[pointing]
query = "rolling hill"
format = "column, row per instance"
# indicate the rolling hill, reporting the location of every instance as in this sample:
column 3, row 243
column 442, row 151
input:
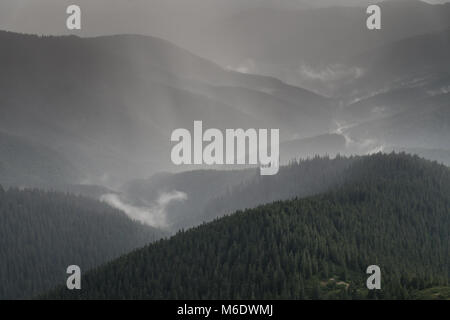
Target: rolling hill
column 392, row 211
column 42, row 233
column 210, row 194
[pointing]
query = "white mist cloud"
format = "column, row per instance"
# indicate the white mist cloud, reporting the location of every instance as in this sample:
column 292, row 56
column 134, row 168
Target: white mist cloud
column 331, row 73
column 440, row 91
column 155, row 215
column 357, row 146
column 247, row 66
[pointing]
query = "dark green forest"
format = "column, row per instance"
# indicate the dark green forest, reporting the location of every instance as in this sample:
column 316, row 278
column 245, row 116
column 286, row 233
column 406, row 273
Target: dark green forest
column 391, row 210
column 300, row 178
column 42, row 233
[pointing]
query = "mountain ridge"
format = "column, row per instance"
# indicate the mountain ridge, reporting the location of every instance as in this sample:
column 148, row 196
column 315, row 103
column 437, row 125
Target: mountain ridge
column 89, row 97
column 393, row 212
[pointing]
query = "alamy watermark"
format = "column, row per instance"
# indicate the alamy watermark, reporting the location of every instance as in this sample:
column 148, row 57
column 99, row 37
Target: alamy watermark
column 374, row 281
column 74, row 280
column 190, row 149
column 73, row 21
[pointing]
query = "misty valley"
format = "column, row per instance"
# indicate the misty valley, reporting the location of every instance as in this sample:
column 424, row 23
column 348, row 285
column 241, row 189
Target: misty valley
column 257, row 152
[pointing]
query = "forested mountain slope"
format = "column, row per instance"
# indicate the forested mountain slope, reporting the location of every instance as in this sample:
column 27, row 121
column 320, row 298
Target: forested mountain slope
column 24, row 162
column 299, row 179
column 392, row 211
column 42, row 233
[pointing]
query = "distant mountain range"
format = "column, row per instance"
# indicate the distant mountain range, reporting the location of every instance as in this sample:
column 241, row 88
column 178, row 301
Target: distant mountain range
column 109, row 104
column 307, row 47
column 416, row 62
column 402, row 99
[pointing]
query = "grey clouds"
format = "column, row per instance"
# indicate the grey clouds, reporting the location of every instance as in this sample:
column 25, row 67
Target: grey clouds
column 150, row 17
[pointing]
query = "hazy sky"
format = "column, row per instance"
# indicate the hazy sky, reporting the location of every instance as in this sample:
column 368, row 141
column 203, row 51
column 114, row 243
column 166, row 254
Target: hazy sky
column 154, row 17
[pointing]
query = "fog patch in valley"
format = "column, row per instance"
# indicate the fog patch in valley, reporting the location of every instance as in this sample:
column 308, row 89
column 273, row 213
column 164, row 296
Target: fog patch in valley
column 154, row 215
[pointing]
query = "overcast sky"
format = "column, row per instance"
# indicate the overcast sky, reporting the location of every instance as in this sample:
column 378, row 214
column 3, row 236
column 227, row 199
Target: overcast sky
column 154, row 17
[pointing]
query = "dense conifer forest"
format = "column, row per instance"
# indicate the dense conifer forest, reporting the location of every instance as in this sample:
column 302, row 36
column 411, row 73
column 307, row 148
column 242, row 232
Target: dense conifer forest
column 392, row 211
column 42, row 233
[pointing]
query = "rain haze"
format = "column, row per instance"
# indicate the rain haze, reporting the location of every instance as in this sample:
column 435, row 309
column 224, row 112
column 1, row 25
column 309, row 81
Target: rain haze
column 91, row 121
